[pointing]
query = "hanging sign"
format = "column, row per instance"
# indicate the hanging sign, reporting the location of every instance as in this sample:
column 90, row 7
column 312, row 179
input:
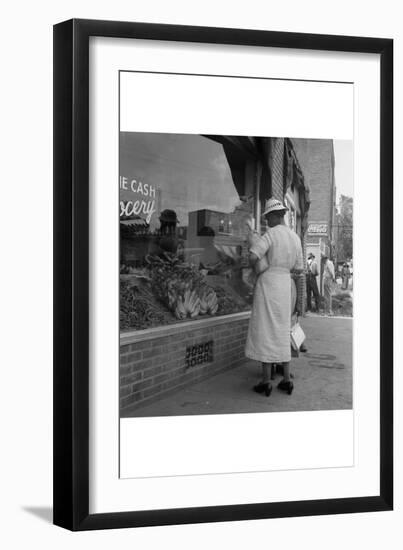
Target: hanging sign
column 317, row 228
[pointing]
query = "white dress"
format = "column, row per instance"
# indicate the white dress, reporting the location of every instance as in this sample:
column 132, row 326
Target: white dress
column 270, row 324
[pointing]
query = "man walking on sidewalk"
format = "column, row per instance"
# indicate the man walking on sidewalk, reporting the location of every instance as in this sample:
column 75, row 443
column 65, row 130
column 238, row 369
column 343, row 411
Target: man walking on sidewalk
column 311, row 284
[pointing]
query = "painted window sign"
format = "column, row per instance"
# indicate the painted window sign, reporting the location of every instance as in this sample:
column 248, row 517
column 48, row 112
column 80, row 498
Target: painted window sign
column 143, row 201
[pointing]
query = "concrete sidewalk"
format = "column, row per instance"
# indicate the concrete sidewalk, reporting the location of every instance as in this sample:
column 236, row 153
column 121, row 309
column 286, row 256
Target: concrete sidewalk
column 322, row 380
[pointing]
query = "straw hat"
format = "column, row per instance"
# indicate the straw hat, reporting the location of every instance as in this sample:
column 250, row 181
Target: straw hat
column 273, row 205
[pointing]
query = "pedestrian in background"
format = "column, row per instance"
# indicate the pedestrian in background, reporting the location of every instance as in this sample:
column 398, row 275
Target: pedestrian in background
column 311, row 283
column 329, row 282
column 345, row 275
column 268, row 338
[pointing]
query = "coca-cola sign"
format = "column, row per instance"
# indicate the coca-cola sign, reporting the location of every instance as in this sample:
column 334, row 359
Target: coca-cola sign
column 317, row 228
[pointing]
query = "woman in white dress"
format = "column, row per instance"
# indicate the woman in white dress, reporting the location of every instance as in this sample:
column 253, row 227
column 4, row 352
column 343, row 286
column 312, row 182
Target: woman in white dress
column 278, row 252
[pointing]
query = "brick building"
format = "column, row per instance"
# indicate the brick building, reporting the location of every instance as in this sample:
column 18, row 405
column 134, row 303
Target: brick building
column 316, row 158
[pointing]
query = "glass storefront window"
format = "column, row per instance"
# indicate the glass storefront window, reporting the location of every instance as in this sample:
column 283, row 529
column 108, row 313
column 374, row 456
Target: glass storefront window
column 182, row 230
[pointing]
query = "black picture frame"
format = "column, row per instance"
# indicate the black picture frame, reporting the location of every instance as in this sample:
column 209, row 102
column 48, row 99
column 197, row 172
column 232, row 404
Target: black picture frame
column 71, row 273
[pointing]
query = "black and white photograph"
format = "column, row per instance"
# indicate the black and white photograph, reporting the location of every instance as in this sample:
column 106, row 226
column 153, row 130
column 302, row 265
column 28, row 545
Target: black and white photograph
column 236, row 274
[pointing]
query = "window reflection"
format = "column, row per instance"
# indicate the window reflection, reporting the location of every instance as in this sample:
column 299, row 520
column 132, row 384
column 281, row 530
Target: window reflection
column 182, row 230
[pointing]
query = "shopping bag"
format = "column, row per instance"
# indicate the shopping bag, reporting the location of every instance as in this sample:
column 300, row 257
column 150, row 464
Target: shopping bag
column 297, row 336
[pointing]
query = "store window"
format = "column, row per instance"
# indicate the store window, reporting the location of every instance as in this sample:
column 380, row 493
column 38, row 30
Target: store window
column 182, row 231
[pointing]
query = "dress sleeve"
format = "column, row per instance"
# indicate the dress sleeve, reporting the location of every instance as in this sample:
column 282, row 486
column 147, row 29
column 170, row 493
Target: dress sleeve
column 260, row 245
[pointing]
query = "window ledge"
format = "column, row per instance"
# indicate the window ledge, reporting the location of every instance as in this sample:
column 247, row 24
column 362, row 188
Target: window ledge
column 134, row 336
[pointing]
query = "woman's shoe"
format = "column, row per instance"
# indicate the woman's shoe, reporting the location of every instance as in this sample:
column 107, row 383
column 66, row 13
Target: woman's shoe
column 263, row 387
column 280, row 369
column 259, row 388
column 286, row 386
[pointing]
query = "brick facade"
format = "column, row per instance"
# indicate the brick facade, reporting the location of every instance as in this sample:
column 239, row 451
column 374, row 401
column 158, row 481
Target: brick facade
column 277, row 168
column 156, row 367
column 316, row 157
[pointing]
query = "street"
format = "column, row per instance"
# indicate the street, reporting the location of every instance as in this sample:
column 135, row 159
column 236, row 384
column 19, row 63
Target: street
column 322, row 379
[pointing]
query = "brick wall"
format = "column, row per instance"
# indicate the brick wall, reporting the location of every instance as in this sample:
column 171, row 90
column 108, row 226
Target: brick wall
column 153, row 368
column 277, row 168
column 315, row 157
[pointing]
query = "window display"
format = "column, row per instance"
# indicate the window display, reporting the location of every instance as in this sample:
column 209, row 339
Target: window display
column 183, row 212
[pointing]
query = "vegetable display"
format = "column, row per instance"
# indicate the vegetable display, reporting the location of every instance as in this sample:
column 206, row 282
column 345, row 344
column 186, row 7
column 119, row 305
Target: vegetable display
column 208, row 301
column 137, row 309
column 167, row 290
column 228, row 302
column 181, row 286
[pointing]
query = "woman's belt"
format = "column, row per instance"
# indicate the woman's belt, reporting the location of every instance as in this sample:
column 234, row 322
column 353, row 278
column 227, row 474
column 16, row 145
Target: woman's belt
column 282, row 270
